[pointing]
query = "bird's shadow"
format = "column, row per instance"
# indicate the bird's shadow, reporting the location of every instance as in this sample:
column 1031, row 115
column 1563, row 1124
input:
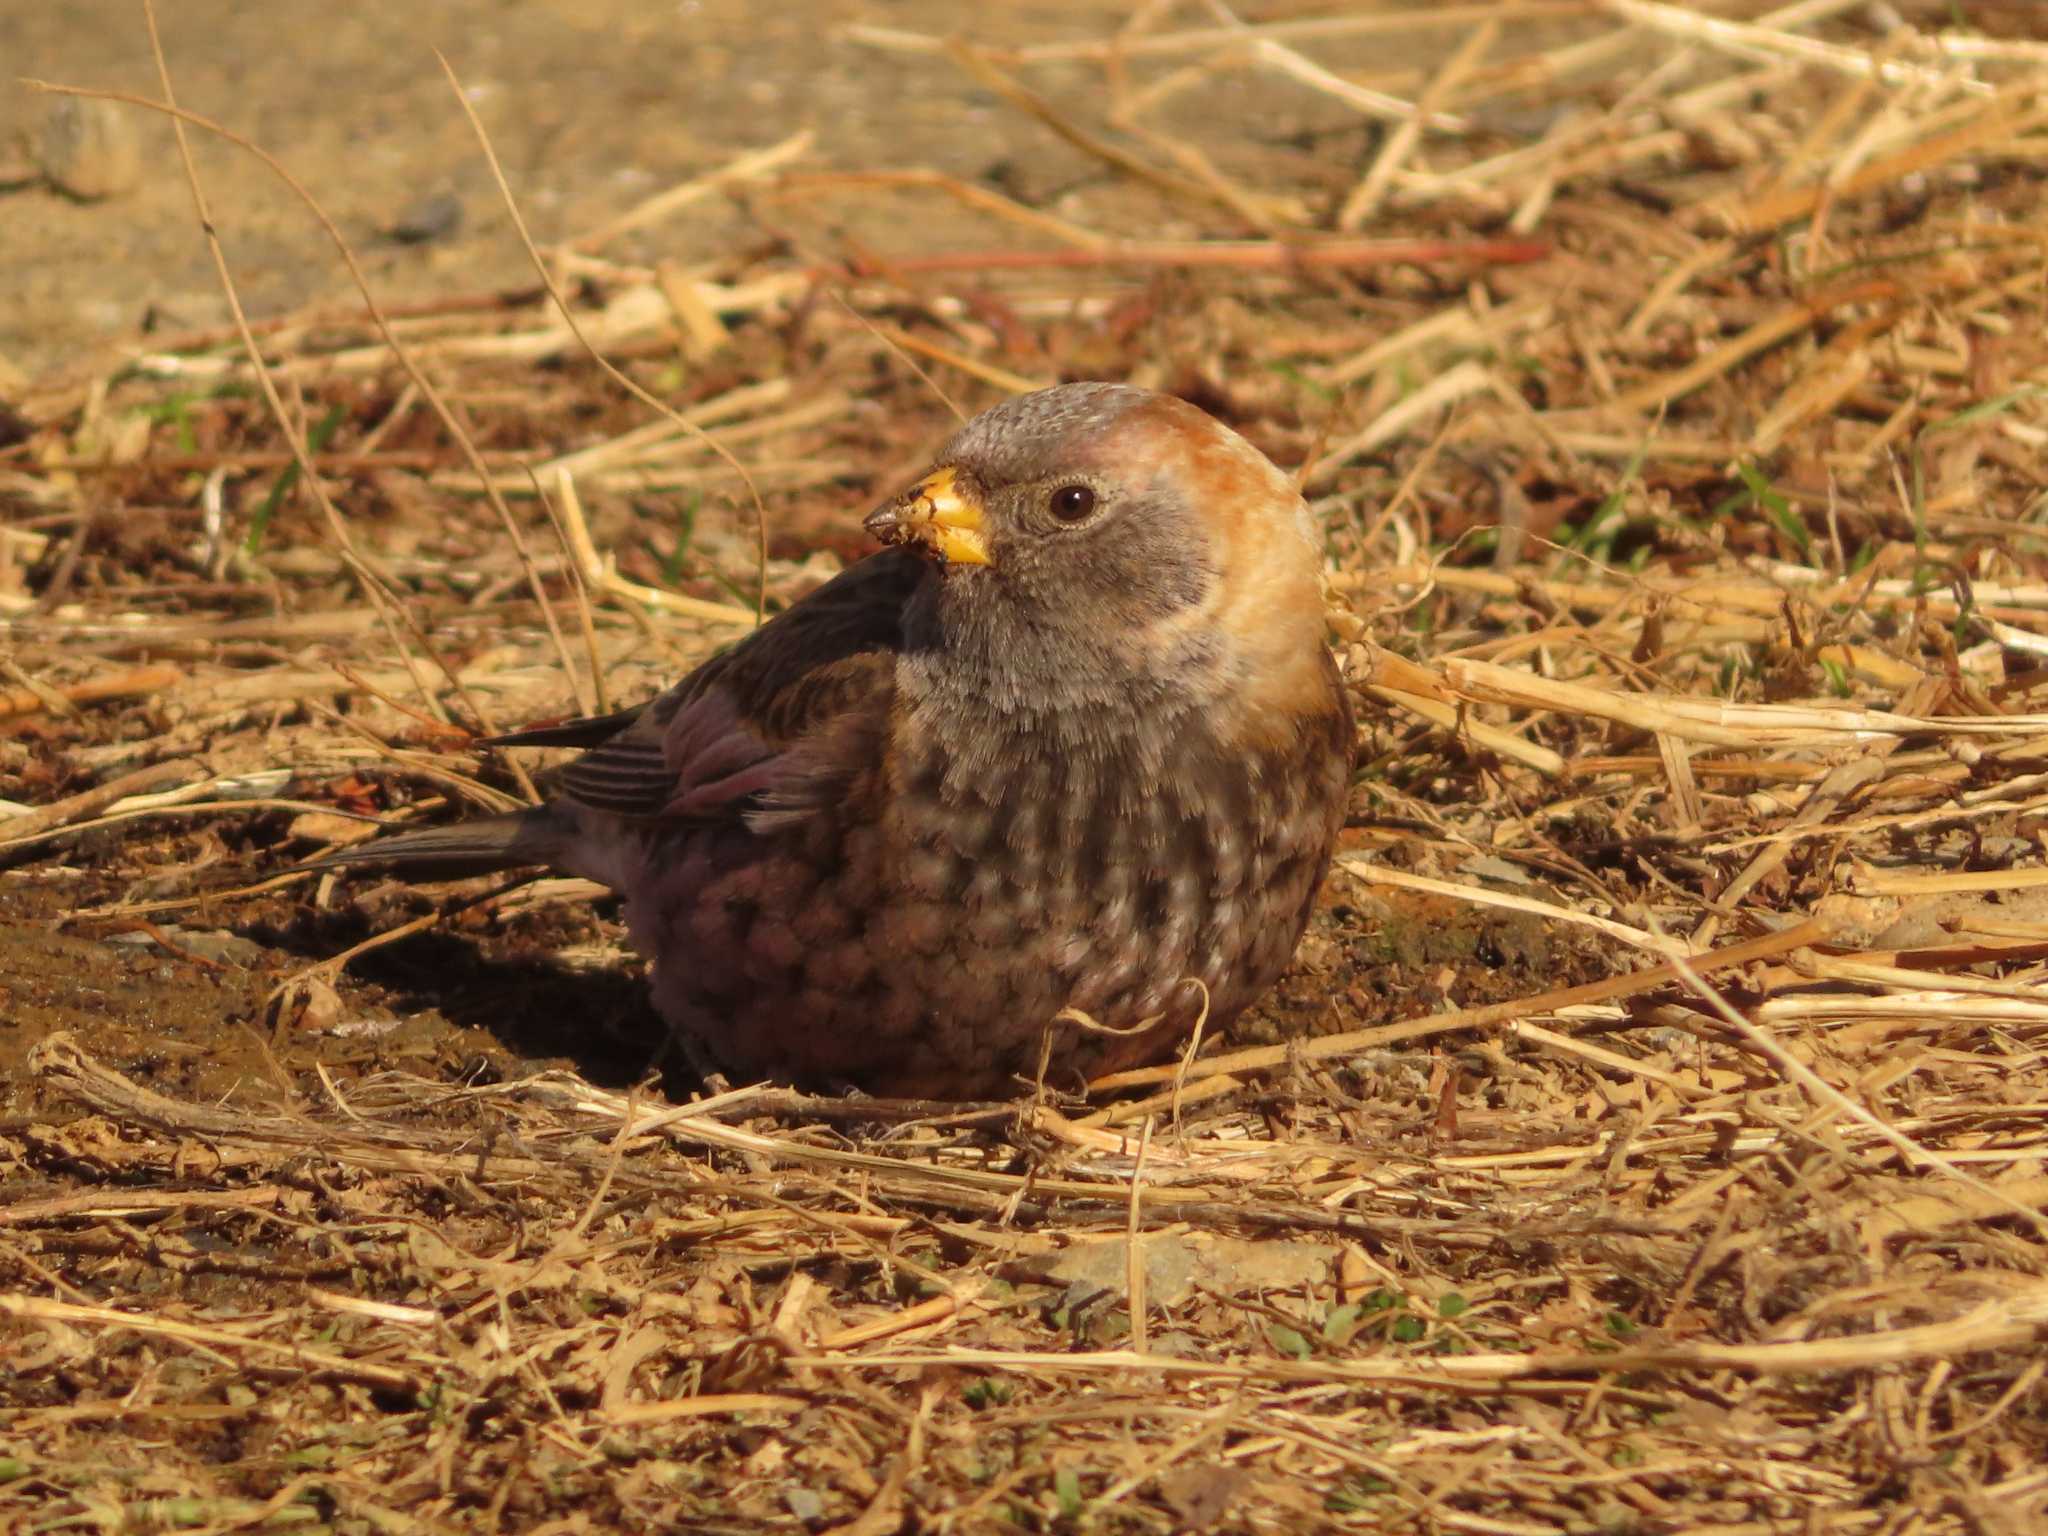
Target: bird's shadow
column 511, row 987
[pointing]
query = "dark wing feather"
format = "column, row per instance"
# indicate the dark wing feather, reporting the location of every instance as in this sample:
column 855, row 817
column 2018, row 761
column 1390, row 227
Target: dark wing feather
column 725, row 736
column 588, row 731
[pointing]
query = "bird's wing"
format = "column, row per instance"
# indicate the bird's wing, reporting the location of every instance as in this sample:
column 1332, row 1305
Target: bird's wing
column 748, row 727
column 584, row 731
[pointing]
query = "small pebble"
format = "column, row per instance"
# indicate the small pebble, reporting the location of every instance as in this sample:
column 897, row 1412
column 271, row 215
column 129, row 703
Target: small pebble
column 220, row 947
column 88, row 149
column 434, row 217
column 322, row 1010
column 805, row 1504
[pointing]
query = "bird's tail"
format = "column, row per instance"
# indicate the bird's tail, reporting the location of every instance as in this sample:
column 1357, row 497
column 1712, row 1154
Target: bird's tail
column 512, row 841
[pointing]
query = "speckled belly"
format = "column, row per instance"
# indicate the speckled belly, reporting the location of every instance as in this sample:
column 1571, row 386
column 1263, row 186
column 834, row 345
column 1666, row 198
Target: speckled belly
column 933, row 952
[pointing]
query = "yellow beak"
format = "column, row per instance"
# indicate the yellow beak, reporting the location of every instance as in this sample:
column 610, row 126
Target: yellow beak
column 939, row 513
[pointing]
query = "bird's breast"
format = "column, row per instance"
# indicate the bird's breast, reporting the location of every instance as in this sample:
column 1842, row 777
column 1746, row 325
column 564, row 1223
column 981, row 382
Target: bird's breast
column 933, row 925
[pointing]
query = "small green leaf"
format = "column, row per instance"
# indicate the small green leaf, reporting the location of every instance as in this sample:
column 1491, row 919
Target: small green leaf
column 987, row 1392
column 171, row 1512
column 1613, row 505
column 1596, row 535
column 1452, row 1305
column 1774, row 506
column 1339, row 1321
column 316, row 440
column 1727, row 504
column 1288, row 1341
column 1356, row 1496
column 686, row 530
column 1066, row 1487
column 1296, row 377
column 1997, row 405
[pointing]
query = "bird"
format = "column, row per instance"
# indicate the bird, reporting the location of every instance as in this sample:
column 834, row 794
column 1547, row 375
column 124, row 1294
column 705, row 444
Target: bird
column 1029, row 795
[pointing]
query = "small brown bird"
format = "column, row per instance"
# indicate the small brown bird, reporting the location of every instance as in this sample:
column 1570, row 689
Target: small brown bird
column 1074, row 746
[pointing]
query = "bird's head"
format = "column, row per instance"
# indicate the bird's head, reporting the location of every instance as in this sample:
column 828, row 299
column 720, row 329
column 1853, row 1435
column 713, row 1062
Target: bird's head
column 1093, row 532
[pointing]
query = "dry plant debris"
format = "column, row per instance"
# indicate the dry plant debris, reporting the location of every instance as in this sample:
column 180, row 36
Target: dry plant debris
column 1652, row 1136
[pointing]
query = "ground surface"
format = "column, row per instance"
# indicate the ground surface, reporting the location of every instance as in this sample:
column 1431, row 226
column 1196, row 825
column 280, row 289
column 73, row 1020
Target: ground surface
column 1687, row 576
column 591, row 107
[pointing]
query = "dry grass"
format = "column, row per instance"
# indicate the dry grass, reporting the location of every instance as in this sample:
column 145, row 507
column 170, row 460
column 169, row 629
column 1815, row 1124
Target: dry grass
column 1691, row 581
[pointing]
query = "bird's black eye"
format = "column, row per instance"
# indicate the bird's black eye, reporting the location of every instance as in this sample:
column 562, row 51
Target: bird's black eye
column 1071, row 503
